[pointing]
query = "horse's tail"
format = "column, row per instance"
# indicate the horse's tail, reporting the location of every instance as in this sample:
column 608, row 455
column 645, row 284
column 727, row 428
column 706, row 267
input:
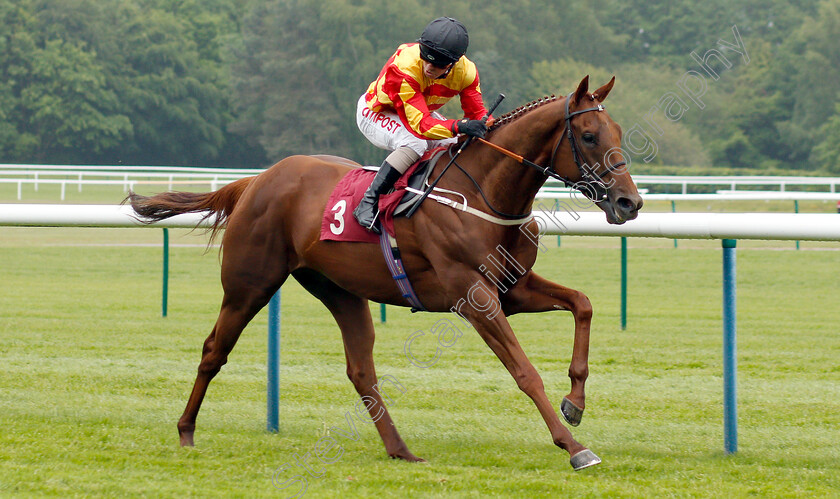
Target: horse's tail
column 168, row 204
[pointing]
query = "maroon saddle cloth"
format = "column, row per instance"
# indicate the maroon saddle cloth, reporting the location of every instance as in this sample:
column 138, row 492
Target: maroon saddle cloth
column 338, row 223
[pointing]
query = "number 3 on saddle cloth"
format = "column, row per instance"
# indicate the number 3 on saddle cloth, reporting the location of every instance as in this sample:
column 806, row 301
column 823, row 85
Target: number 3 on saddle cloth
column 338, row 223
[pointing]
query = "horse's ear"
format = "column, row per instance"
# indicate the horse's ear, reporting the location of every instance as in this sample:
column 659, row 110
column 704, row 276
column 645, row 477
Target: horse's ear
column 602, row 92
column 580, row 93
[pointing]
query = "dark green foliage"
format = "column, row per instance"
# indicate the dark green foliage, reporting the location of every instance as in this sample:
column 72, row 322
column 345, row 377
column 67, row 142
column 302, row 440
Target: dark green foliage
column 118, row 82
column 227, row 83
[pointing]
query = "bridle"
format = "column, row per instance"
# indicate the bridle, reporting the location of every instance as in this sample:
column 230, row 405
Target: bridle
column 591, row 184
column 585, row 173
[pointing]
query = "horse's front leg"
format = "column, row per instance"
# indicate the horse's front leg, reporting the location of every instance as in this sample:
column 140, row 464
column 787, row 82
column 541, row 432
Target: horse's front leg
column 495, row 330
column 537, row 294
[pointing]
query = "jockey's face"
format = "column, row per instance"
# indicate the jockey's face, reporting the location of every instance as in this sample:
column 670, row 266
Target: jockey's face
column 432, row 71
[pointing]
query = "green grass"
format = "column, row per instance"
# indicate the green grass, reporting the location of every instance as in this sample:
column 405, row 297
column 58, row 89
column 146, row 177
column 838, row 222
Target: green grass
column 93, row 380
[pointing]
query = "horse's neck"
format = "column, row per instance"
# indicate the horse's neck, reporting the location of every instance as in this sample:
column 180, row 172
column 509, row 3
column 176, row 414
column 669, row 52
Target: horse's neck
column 510, row 186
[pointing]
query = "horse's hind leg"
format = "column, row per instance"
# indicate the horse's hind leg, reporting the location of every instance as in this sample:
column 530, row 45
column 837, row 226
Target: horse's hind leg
column 242, row 300
column 352, row 314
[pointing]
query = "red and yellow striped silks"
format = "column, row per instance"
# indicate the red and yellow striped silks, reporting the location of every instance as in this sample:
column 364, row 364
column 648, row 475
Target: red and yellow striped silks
column 404, row 87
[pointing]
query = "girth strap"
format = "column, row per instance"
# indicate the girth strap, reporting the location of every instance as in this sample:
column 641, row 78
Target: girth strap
column 393, row 260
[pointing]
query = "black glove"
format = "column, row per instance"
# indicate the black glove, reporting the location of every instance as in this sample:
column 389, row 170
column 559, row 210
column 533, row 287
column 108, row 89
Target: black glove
column 473, row 128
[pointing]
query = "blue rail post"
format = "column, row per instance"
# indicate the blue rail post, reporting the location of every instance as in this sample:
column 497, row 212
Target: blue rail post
column 273, row 386
column 730, row 412
column 796, row 210
column 165, row 296
column 382, row 313
column 623, row 283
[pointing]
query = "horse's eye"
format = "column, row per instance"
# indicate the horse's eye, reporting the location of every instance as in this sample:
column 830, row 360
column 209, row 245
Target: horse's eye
column 589, row 138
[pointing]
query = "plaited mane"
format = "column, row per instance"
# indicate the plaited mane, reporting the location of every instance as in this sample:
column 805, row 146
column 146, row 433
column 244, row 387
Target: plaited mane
column 516, row 113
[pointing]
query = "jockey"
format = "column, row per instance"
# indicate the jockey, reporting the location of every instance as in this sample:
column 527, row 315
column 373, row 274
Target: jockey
column 397, row 113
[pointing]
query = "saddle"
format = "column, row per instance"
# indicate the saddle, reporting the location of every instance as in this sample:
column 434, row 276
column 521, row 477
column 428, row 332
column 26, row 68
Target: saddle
column 338, row 224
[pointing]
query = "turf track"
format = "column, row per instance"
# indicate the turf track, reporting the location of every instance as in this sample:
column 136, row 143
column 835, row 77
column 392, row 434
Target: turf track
column 93, row 380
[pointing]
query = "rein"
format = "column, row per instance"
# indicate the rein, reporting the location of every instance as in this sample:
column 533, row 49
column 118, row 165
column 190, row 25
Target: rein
column 549, row 171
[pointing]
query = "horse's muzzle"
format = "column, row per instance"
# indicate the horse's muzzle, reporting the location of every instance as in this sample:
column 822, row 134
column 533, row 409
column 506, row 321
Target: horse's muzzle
column 624, row 208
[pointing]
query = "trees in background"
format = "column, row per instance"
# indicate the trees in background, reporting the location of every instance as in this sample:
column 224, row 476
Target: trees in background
column 227, row 83
column 118, row 82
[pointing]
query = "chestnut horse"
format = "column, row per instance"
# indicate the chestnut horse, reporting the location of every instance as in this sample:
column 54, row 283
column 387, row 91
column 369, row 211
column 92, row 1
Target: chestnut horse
column 272, row 223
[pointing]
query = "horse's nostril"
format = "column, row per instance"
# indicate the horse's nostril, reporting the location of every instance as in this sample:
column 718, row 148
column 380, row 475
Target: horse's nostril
column 625, row 205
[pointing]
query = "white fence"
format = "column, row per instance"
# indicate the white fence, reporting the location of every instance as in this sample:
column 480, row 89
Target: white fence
column 169, row 177
column 83, row 215
column 734, row 181
column 776, row 226
column 125, row 177
column 549, row 192
column 214, row 183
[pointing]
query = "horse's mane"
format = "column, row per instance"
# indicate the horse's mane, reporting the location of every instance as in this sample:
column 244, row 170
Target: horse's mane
column 516, row 113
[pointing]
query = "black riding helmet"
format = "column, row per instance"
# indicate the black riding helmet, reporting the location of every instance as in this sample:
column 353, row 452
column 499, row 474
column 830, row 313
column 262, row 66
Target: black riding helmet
column 443, row 41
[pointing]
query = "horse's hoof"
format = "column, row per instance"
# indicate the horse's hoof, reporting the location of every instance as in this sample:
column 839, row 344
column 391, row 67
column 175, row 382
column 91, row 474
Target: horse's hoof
column 406, row 455
column 187, row 439
column 584, row 459
column 571, row 413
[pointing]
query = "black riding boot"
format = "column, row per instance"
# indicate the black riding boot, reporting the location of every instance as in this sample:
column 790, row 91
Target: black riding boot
column 368, row 207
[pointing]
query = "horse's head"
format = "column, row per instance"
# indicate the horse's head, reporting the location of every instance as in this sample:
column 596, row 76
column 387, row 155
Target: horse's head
column 598, row 168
